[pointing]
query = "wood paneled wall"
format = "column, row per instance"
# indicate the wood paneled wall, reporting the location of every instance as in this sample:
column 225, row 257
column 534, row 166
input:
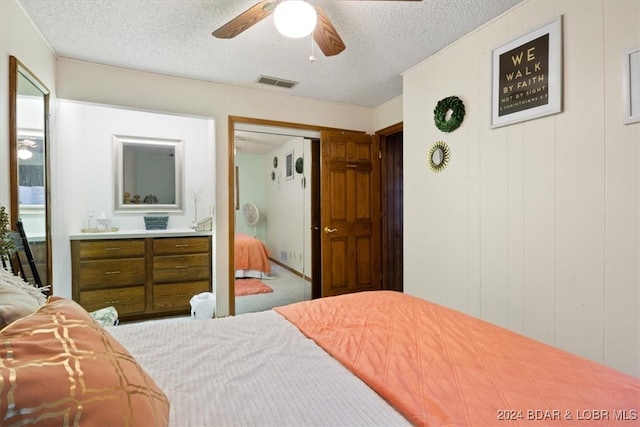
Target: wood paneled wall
column 533, row 226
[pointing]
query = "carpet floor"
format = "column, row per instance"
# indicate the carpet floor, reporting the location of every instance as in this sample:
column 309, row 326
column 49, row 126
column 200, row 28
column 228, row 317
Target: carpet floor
column 287, row 288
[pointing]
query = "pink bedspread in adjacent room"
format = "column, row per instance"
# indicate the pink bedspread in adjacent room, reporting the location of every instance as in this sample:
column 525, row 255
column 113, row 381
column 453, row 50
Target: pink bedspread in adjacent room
column 440, row 367
column 251, row 254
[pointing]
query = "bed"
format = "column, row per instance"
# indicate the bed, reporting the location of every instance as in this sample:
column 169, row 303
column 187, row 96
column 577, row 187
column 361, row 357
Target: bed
column 251, row 257
column 371, row 358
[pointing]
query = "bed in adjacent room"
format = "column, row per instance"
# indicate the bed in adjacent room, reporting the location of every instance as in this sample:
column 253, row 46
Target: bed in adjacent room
column 371, row 358
column 251, row 257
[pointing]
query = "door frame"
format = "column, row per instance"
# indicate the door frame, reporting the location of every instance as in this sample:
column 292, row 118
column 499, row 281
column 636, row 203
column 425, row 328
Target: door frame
column 231, row 123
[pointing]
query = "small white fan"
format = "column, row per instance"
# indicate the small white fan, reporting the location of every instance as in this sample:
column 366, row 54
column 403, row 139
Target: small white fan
column 251, row 215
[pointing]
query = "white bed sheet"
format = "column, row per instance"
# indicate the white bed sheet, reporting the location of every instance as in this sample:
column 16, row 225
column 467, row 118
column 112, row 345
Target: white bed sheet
column 256, row 274
column 254, row 369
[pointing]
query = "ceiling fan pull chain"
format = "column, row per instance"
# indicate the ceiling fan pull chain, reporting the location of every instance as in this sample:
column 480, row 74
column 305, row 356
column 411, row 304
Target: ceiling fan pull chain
column 312, row 57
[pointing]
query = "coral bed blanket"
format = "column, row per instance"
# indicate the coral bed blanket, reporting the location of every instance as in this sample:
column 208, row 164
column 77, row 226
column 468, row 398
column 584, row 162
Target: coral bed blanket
column 440, row 367
column 251, row 254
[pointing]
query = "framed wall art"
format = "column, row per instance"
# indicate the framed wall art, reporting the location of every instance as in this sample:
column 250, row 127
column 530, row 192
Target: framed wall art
column 527, row 76
column 631, row 81
column 288, row 165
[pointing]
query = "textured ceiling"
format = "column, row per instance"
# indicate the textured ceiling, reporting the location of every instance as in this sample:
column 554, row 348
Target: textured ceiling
column 173, row 37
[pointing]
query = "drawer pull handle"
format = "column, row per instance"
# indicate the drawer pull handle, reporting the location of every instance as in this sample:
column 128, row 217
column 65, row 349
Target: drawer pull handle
column 111, row 249
column 108, row 273
column 182, row 295
column 183, row 245
column 112, row 302
column 181, row 267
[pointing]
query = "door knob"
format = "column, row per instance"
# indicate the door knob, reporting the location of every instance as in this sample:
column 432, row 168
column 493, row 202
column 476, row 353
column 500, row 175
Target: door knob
column 330, row 230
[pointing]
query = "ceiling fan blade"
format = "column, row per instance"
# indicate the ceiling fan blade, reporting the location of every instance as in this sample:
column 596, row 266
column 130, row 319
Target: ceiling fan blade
column 246, row 19
column 326, row 36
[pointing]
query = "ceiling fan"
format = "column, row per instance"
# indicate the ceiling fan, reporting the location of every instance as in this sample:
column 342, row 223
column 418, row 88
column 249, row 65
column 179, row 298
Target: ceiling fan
column 286, row 12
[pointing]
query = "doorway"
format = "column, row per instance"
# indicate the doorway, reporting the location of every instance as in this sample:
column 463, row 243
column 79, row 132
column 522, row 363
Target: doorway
column 314, row 176
column 391, row 140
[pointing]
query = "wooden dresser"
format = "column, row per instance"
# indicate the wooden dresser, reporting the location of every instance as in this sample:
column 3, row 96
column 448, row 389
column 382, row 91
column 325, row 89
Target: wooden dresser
column 141, row 277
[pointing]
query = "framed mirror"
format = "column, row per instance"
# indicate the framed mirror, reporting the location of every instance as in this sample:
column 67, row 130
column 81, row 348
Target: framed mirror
column 439, row 156
column 148, row 174
column 29, row 163
column 263, row 156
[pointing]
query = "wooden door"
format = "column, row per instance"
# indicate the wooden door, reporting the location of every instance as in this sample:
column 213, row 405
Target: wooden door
column 350, row 212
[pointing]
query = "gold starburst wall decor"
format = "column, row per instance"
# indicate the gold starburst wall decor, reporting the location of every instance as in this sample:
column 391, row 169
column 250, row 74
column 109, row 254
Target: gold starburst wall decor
column 439, row 155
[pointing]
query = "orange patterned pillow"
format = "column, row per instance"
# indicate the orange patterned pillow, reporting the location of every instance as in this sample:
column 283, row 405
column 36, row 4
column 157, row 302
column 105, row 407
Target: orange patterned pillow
column 59, row 367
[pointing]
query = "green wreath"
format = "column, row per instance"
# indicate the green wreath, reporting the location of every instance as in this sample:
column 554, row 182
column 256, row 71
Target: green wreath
column 456, row 106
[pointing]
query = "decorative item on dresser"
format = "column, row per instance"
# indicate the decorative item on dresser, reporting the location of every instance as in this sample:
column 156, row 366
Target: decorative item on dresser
column 141, row 277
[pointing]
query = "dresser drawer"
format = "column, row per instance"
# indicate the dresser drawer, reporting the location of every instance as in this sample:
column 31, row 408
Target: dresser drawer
column 181, row 268
column 142, row 277
column 111, row 272
column 129, row 300
column 181, row 245
column 177, row 296
column 117, row 248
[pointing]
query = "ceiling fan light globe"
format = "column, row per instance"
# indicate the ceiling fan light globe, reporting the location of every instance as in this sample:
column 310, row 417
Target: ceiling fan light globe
column 295, row 18
column 24, row 154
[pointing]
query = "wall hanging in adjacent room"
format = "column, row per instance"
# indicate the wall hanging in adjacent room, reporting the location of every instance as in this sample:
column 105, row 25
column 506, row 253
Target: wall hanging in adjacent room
column 288, row 165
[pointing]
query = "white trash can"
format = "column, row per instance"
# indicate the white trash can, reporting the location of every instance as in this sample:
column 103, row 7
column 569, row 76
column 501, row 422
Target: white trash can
column 203, row 306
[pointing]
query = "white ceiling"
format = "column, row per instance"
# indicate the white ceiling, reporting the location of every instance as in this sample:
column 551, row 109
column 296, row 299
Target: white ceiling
column 173, row 37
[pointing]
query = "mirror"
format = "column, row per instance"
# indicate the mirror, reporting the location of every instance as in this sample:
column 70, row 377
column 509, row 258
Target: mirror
column 439, row 156
column 148, row 174
column 29, row 162
column 275, row 211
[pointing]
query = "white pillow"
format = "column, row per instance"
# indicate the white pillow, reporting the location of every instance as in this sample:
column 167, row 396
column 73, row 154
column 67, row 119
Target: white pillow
column 17, row 298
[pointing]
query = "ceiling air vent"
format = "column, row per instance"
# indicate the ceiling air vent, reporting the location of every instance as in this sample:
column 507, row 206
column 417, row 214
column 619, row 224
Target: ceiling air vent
column 274, row 81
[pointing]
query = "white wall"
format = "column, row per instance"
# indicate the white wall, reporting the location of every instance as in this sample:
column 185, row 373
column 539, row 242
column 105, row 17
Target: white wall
column 533, row 226
column 253, row 176
column 289, row 209
column 388, row 114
